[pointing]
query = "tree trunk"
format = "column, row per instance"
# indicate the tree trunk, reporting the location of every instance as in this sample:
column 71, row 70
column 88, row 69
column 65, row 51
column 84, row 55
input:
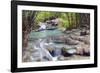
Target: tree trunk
column 27, row 23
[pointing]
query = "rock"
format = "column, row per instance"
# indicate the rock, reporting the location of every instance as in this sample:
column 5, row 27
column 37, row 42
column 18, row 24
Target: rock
column 45, row 59
column 52, row 51
column 74, row 37
column 66, row 40
column 59, row 39
column 26, row 56
column 68, row 52
column 70, row 41
column 85, row 39
column 35, row 56
column 88, row 32
column 83, row 49
column 72, row 50
column 76, row 34
column 61, row 58
column 82, row 33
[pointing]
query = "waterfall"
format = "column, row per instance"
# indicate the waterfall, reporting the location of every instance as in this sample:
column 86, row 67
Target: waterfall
column 43, row 51
column 42, row 26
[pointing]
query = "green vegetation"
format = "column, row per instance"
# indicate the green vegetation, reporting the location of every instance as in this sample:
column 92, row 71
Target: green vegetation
column 67, row 19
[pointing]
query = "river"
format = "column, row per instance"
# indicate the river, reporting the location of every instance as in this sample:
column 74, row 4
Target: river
column 42, row 41
column 45, row 33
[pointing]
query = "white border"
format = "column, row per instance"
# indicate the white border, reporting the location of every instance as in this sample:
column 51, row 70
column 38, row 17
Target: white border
column 53, row 63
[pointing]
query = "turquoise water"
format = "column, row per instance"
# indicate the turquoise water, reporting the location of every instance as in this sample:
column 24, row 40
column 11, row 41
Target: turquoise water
column 42, row 44
column 45, row 33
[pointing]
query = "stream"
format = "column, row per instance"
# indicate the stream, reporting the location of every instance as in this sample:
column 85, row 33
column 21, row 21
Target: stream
column 43, row 40
column 47, row 45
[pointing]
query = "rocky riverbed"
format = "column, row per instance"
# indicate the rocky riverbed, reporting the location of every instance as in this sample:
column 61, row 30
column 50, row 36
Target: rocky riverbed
column 71, row 45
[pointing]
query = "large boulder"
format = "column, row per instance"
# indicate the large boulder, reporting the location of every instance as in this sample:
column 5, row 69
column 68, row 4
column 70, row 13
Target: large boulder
column 83, row 49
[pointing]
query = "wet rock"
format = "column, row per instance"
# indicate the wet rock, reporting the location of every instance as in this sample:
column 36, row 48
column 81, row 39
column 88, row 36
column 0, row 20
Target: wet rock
column 66, row 52
column 52, row 51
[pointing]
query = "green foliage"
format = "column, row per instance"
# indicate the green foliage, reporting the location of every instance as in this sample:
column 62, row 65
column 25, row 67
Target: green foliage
column 67, row 19
column 41, row 16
